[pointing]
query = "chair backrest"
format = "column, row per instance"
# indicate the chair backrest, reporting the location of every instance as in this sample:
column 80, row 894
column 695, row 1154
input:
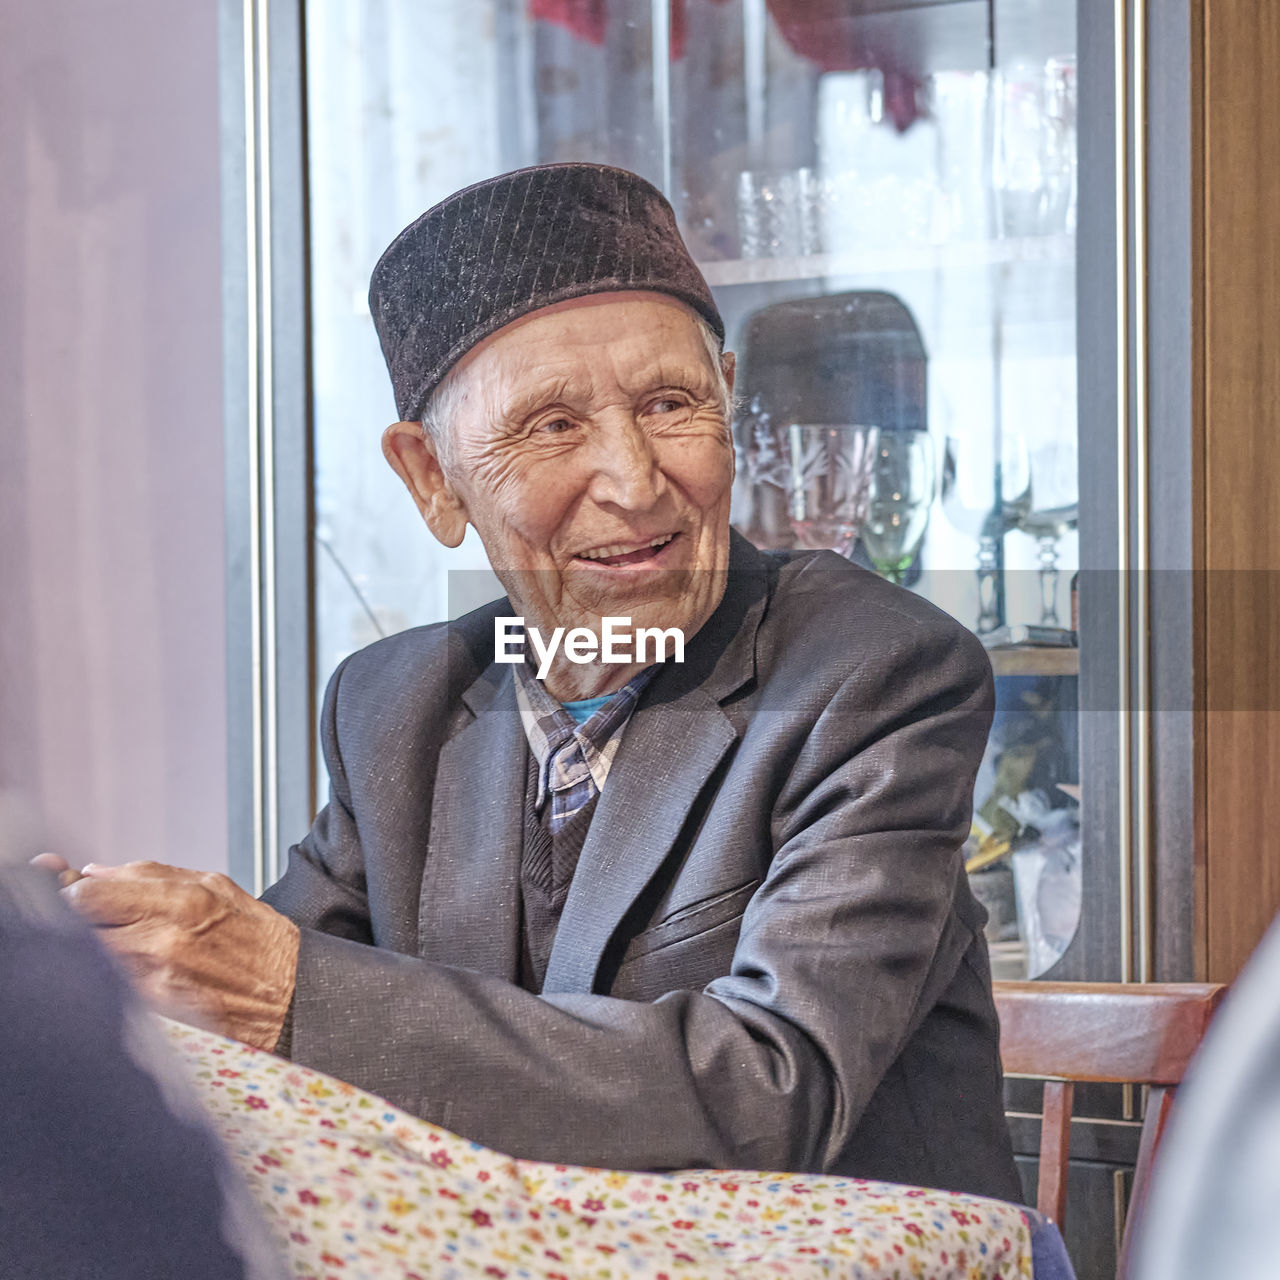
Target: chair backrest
column 1130, row 1033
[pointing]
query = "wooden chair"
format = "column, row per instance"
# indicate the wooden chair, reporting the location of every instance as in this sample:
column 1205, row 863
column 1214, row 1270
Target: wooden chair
column 1129, row 1033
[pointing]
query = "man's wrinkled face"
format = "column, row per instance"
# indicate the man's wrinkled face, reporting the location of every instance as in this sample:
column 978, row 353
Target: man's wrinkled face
column 590, row 451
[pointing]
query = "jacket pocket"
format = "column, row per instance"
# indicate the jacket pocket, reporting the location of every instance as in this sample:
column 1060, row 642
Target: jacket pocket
column 688, row 922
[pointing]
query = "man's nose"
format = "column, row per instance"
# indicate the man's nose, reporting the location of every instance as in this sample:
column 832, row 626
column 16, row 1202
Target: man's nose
column 626, row 472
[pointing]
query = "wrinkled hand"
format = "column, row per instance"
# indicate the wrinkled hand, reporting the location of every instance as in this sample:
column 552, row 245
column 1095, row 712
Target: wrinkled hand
column 194, row 942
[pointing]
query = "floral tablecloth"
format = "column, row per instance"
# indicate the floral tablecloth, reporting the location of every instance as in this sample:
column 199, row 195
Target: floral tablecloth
column 356, row 1189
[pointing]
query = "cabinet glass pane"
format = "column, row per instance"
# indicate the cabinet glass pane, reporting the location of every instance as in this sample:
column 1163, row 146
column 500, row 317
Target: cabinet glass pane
column 884, row 198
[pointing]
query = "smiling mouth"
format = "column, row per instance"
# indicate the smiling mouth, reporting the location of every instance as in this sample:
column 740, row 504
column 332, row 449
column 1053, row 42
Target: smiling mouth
column 618, row 555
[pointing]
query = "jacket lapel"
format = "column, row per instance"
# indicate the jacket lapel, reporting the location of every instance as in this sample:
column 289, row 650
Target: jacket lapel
column 469, row 911
column 676, row 739
column 667, row 755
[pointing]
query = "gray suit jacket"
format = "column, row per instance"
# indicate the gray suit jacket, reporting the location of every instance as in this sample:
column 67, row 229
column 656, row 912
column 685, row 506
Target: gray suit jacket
column 769, row 957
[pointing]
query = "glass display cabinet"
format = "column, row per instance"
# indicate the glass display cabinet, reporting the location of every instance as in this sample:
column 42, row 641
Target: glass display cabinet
column 885, row 199
column 927, row 227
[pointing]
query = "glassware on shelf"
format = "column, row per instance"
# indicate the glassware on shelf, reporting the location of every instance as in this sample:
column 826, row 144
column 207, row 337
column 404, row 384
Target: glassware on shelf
column 986, row 493
column 811, row 194
column 1063, row 147
column 1034, row 148
column 1051, row 512
column 831, row 466
column 901, row 494
column 779, row 213
column 879, row 185
column 960, row 103
column 761, row 502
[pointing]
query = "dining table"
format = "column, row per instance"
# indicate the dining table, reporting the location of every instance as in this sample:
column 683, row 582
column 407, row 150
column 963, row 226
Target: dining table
column 354, row 1189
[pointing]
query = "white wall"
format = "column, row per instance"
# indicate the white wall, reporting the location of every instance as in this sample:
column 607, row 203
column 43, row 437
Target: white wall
column 112, row 653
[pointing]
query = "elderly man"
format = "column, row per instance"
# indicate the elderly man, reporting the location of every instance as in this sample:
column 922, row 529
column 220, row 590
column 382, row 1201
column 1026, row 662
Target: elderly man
column 633, row 914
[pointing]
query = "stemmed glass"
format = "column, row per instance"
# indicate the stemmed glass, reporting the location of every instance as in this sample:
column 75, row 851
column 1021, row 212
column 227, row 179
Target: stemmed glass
column 985, row 495
column 1034, row 148
column 831, row 466
column 901, row 493
column 1051, row 512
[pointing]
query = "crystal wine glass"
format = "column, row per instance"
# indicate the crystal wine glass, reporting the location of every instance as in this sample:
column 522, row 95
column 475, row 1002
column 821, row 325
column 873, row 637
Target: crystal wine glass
column 1051, row 512
column 761, row 488
column 830, row 478
column 901, row 493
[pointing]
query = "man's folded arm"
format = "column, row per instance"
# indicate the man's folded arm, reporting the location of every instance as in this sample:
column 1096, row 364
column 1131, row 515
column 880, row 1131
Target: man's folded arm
column 842, row 951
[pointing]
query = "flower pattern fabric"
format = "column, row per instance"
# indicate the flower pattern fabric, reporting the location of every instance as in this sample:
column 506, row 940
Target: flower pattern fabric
column 358, row 1190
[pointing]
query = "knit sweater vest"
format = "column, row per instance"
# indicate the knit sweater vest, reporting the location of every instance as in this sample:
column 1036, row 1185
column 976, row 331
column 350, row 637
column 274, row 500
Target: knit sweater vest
column 546, row 871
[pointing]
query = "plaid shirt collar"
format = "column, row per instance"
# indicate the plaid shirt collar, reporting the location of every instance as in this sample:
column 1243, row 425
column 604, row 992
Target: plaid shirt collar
column 549, row 728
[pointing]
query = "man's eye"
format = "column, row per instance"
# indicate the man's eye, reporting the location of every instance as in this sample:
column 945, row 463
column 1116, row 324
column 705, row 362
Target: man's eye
column 667, row 404
column 556, row 426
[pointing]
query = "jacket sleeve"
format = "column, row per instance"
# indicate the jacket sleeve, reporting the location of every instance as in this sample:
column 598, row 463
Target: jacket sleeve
column 843, row 949
column 324, row 887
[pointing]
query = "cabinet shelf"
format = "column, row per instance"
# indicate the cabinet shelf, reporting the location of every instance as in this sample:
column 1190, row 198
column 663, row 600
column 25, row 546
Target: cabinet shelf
column 1032, row 660
column 956, row 255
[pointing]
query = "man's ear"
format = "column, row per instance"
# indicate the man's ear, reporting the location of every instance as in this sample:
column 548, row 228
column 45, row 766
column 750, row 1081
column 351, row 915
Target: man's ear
column 729, row 363
column 729, row 366
column 413, row 457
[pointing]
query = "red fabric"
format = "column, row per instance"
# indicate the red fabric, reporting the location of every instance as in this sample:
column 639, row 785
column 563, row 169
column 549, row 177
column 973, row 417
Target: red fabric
column 589, row 19
column 826, row 32
column 585, row 18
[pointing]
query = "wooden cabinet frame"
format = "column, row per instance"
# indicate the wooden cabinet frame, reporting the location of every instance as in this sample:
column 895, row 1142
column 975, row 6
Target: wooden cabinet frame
column 1180, row 154
column 1236, row 307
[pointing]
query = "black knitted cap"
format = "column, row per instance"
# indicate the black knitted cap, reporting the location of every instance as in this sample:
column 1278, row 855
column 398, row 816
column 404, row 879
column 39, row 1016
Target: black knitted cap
column 498, row 250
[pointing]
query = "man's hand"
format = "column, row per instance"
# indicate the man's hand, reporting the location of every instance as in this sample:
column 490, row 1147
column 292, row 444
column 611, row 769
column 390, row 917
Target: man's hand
column 65, row 872
column 194, row 942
